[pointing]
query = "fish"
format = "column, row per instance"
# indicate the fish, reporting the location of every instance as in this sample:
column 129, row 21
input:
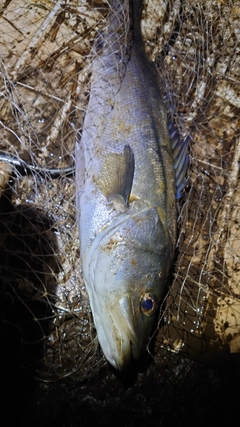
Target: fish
column 128, row 177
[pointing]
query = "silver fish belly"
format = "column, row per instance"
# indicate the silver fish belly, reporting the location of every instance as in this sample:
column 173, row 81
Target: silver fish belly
column 125, row 190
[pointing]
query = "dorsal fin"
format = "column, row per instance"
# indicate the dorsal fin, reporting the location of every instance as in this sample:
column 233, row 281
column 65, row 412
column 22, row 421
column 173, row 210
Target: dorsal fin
column 180, row 156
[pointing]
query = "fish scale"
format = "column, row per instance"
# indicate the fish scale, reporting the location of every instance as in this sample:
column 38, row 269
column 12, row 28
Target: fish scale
column 125, row 189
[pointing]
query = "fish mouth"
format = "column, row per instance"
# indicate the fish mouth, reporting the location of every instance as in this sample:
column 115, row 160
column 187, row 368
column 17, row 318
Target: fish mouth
column 117, row 335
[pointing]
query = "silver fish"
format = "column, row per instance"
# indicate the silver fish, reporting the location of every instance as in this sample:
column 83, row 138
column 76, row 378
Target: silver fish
column 126, row 189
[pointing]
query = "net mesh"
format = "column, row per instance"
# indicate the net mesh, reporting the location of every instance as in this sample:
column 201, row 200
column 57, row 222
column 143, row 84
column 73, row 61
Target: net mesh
column 45, row 60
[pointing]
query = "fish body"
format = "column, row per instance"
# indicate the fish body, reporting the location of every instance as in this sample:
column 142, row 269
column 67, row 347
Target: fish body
column 125, row 190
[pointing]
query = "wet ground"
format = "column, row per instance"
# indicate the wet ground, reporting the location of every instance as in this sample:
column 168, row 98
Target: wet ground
column 183, row 393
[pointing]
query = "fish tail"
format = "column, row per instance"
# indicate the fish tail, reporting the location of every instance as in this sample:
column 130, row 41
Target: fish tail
column 120, row 8
column 136, row 6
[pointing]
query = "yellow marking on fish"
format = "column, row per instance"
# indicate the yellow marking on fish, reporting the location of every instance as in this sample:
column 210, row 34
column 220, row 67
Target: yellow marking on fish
column 154, row 159
column 133, row 198
column 161, row 214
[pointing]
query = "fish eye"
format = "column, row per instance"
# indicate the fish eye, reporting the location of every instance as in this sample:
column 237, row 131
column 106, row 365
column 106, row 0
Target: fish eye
column 148, row 304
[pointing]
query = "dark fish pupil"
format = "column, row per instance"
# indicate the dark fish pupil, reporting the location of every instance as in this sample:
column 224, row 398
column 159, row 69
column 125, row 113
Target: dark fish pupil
column 147, row 304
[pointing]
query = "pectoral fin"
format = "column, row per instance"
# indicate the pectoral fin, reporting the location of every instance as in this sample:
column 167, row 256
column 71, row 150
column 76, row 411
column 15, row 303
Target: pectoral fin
column 116, row 176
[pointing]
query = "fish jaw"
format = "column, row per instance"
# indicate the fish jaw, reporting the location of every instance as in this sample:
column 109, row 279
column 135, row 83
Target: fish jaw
column 117, row 335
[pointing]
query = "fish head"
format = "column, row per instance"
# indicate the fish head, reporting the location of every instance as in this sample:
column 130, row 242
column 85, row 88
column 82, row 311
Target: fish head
column 125, row 277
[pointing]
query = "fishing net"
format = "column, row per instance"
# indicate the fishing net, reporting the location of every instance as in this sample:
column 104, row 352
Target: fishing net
column 45, row 60
column 202, row 77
